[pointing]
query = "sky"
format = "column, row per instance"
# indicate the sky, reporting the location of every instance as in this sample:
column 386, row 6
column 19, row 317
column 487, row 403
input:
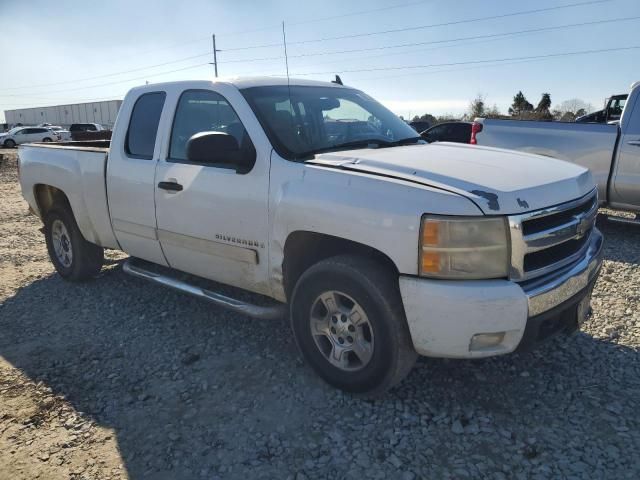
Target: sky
column 71, row 51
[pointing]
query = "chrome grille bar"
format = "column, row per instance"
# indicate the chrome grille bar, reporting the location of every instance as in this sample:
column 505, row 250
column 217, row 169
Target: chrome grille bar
column 565, row 226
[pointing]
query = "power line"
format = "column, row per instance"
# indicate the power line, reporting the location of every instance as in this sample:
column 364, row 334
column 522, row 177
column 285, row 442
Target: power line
column 464, row 41
column 474, row 37
column 422, row 27
column 128, row 79
column 334, row 52
column 471, row 62
column 348, row 36
column 111, row 74
column 361, row 12
column 206, row 54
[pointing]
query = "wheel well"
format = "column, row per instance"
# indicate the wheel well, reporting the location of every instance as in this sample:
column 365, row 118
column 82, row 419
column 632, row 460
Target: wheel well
column 303, row 249
column 47, row 197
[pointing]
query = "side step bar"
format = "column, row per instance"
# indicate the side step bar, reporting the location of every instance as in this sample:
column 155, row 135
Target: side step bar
column 273, row 312
column 624, row 220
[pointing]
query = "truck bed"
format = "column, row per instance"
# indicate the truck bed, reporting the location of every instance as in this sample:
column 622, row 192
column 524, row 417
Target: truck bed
column 78, row 169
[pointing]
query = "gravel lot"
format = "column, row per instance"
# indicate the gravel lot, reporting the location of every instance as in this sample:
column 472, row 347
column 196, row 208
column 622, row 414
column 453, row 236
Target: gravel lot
column 118, row 379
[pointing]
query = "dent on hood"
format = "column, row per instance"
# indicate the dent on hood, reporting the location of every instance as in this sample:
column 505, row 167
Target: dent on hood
column 490, row 197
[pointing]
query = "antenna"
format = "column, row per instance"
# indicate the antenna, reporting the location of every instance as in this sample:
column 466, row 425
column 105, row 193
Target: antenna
column 286, row 57
column 286, row 62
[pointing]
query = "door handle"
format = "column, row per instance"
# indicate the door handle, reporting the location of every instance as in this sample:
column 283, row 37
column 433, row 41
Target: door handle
column 170, row 186
column 635, row 143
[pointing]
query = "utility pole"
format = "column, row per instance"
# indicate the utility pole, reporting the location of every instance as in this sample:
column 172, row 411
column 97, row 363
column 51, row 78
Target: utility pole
column 215, row 55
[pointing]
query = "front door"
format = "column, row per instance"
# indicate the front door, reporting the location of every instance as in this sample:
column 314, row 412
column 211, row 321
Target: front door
column 627, row 175
column 21, row 136
column 213, row 221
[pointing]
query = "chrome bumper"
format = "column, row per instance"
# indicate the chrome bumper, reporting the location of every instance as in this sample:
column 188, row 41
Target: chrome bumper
column 547, row 292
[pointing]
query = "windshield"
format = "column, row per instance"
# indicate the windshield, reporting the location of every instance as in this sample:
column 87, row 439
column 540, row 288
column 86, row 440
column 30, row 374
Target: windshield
column 301, row 121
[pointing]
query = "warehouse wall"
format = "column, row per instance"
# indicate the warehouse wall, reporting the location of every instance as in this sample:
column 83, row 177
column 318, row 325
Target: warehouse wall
column 64, row 115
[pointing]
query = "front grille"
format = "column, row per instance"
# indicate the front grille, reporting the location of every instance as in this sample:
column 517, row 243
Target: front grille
column 549, row 256
column 535, row 225
column 548, row 239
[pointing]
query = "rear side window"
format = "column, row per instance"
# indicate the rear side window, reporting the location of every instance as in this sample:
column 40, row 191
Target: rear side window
column 143, row 125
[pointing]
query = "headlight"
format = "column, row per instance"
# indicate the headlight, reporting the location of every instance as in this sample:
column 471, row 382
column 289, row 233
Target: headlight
column 463, row 247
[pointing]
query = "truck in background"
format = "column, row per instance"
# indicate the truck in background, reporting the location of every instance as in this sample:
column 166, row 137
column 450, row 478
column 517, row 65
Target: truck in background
column 612, row 111
column 611, row 151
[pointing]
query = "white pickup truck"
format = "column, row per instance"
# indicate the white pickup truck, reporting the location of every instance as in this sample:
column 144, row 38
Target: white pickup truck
column 611, row 151
column 377, row 245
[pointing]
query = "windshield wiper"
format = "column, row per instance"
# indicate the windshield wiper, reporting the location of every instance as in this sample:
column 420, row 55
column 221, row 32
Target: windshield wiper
column 367, row 143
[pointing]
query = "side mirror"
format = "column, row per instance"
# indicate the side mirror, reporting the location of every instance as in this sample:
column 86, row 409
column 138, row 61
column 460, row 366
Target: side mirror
column 220, row 148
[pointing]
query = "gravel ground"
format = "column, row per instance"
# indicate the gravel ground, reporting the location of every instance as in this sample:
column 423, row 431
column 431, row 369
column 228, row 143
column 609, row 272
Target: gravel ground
column 118, row 379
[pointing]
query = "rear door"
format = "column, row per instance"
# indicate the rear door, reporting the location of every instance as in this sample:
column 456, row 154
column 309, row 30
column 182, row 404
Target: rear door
column 214, row 222
column 131, row 175
column 626, row 186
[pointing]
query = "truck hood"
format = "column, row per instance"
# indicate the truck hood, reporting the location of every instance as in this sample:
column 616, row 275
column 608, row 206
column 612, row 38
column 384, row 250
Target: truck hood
column 498, row 181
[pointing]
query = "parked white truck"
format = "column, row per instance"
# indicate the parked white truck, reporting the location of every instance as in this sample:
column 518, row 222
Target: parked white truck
column 611, row 151
column 377, row 245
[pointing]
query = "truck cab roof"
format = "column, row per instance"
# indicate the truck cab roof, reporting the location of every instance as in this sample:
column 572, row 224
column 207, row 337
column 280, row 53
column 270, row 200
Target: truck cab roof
column 240, row 83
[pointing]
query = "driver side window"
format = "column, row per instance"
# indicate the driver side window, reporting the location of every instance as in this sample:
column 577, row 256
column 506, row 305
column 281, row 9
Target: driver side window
column 203, row 111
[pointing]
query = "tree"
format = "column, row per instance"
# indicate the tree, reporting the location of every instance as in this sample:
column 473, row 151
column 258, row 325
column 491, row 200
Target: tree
column 520, row 105
column 573, row 105
column 477, row 107
column 493, row 112
column 543, row 109
column 427, row 117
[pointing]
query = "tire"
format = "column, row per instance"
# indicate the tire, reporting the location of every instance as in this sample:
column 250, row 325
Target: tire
column 73, row 257
column 47, row 140
column 9, row 143
column 360, row 289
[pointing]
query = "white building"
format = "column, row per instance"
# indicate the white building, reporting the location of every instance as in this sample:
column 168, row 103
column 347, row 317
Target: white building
column 64, row 115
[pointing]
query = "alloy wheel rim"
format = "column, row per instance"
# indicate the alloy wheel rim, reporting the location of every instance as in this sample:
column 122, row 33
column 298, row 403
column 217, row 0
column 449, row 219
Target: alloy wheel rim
column 61, row 243
column 341, row 331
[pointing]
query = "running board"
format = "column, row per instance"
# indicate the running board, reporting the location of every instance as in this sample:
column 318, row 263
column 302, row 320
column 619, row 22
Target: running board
column 626, row 221
column 257, row 311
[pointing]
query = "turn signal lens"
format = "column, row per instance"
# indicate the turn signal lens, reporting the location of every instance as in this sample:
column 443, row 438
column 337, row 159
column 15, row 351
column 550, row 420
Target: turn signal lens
column 430, row 233
column 430, row 262
column 464, row 247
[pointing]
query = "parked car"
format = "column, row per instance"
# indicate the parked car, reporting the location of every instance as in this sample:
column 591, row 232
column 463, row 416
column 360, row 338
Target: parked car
column 85, row 127
column 379, row 248
column 610, row 151
column 19, row 135
column 457, row 132
column 612, row 111
column 420, row 125
column 63, row 134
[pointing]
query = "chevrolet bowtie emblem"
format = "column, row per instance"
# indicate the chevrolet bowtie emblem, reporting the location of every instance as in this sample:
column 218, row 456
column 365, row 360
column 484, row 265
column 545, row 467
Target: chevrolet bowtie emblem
column 583, row 226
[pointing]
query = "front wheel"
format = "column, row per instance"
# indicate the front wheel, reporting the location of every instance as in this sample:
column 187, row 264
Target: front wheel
column 9, row 143
column 73, row 257
column 348, row 320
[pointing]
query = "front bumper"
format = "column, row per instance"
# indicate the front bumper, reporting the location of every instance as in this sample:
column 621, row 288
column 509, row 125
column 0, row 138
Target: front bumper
column 444, row 315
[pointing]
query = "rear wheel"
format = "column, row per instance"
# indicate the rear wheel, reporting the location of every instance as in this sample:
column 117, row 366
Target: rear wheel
column 348, row 320
column 9, row 143
column 46, row 139
column 73, row 257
